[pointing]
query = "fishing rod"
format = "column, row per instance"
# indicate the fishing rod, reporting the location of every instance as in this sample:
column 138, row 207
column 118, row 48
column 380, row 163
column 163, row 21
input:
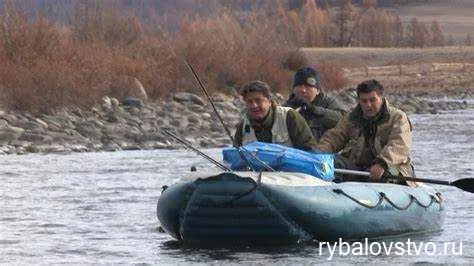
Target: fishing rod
column 201, row 85
column 190, row 146
column 239, row 149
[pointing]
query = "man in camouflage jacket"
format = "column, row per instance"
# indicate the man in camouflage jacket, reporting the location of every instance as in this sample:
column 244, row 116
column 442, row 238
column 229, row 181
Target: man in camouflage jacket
column 374, row 136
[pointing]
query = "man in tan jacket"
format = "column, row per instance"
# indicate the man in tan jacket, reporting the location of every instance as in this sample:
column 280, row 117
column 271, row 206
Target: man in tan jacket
column 374, row 136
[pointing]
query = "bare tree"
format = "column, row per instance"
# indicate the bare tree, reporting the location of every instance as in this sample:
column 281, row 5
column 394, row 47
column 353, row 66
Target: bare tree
column 375, row 29
column 468, row 40
column 315, row 20
column 437, row 36
column 397, row 32
column 417, row 34
column 346, row 21
column 451, row 41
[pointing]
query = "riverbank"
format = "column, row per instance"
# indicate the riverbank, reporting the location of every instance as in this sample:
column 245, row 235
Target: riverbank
column 134, row 125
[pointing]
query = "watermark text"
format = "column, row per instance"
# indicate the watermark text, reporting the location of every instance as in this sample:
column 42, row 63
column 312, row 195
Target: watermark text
column 408, row 247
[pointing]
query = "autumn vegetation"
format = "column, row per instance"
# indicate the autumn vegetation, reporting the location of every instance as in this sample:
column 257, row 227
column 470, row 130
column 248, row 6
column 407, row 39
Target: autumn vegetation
column 49, row 59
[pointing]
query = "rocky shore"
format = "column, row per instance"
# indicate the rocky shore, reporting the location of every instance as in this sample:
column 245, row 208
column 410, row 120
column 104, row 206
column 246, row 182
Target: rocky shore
column 134, row 125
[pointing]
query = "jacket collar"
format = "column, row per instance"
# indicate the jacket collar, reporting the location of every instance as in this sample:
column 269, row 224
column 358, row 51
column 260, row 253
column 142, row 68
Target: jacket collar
column 318, row 100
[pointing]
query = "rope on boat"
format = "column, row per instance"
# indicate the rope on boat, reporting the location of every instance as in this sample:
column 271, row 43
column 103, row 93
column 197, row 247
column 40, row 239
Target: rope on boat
column 383, row 196
column 236, row 197
column 255, row 186
column 340, row 191
column 231, row 201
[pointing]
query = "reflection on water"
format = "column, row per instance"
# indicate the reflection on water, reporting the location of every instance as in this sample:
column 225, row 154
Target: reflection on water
column 100, row 207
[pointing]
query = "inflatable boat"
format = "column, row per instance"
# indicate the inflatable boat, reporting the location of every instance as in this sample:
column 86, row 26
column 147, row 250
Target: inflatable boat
column 289, row 207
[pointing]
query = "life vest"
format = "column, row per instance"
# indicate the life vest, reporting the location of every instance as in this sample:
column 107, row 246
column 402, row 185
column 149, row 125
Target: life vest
column 279, row 130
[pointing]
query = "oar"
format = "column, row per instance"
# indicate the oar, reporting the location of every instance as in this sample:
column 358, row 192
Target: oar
column 466, row 184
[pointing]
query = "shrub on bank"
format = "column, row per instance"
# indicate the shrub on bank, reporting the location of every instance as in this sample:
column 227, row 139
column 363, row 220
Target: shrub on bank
column 46, row 65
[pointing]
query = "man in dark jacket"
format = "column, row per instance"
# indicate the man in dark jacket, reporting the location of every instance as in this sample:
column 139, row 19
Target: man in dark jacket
column 320, row 110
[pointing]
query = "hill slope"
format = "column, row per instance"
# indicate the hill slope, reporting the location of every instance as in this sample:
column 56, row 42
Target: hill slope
column 456, row 16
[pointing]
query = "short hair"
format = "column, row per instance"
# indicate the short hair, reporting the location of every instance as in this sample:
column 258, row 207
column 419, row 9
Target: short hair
column 257, row 86
column 369, row 86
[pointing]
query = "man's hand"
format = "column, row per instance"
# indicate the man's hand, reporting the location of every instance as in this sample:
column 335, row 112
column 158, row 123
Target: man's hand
column 311, row 109
column 376, row 172
column 296, row 102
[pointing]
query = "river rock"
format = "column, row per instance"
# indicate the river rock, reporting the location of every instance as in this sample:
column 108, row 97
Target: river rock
column 183, row 97
column 78, row 148
column 206, row 116
column 90, row 129
column 9, row 133
column 106, row 104
column 195, row 108
column 53, row 148
column 112, row 146
column 7, row 149
column 194, row 119
column 132, row 102
column 34, row 137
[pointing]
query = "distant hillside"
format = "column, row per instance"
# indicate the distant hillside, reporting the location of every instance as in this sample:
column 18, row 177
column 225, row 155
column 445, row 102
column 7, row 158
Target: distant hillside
column 456, row 16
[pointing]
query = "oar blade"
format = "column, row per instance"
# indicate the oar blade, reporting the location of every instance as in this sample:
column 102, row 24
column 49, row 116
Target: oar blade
column 466, row 184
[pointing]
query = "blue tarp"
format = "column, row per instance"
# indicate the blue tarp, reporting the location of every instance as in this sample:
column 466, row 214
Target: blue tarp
column 281, row 158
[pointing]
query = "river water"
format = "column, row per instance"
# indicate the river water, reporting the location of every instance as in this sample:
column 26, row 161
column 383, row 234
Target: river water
column 100, row 208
